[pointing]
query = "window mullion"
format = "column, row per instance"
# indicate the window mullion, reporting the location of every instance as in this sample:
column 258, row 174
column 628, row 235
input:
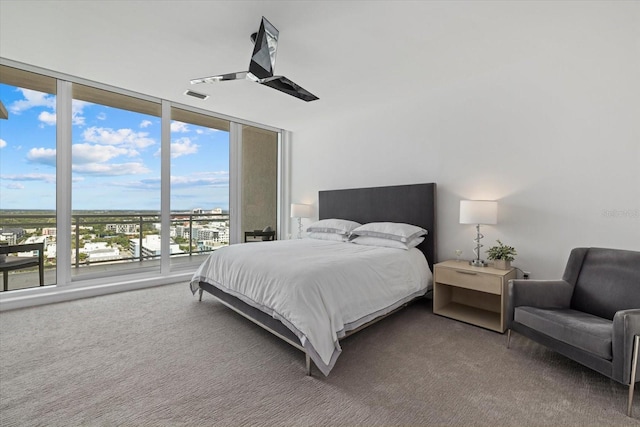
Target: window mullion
column 235, row 183
column 63, row 182
column 165, row 186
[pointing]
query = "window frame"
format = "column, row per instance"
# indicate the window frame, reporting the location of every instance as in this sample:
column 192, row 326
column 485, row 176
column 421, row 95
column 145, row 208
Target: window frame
column 66, row 288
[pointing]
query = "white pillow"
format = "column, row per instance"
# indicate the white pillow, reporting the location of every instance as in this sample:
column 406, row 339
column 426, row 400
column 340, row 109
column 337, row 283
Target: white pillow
column 334, row 237
column 390, row 230
column 333, row 225
column 387, row 243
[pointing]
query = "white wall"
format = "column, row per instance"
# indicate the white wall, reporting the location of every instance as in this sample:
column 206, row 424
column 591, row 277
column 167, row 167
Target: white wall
column 551, row 130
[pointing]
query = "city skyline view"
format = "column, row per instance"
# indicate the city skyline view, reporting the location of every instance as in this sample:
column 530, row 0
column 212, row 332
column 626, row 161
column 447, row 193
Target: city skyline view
column 115, row 158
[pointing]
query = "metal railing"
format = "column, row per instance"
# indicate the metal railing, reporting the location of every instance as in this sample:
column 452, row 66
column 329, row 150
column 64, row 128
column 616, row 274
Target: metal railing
column 97, row 227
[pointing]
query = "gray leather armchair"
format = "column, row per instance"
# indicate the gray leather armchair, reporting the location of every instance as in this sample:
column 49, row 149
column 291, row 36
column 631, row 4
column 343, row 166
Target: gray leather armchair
column 591, row 316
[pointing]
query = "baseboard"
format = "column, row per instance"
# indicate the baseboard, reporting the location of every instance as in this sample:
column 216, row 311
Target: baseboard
column 52, row 294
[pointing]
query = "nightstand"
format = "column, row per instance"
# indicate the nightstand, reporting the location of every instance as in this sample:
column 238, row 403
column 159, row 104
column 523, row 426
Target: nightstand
column 475, row 295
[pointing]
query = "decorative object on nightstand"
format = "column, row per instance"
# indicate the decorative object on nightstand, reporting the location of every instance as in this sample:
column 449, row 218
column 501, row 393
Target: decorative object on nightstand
column 299, row 210
column 475, row 295
column 478, row 212
column 502, row 255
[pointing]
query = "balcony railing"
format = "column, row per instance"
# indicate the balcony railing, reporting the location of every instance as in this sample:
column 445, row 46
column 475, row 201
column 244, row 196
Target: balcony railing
column 136, row 236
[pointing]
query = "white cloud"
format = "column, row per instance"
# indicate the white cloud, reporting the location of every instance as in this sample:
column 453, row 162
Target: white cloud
column 182, row 147
column 101, row 116
column 14, row 186
column 89, row 153
column 103, row 169
column 91, row 159
column 3, row 143
column 145, row 123
column 77, row 108
column 46, row 156
column 216, row 179
column 47, row 118
column 204, row 179
column 125, row 137
column 179, row 127
column 46, row 177
column 203, row 131
column 32, row 99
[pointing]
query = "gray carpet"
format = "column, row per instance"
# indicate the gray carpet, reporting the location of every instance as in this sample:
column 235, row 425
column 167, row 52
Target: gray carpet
column 159, row 357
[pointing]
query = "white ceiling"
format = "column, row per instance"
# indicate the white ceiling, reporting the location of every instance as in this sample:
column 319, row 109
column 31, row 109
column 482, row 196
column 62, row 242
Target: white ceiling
column 354, row 55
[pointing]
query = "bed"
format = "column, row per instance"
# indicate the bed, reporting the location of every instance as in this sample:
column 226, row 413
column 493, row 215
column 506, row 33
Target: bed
column 312, row 293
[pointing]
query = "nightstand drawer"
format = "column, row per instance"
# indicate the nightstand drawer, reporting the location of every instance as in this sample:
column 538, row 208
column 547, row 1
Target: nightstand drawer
column 470, row 280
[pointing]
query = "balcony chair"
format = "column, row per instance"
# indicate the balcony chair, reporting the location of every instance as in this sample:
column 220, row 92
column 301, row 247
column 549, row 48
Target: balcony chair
column 8, row 263
column 591, row 316
column 265, row 235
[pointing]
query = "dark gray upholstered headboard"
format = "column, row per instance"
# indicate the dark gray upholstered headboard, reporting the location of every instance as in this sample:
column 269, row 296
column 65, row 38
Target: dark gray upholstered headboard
column 412, row 204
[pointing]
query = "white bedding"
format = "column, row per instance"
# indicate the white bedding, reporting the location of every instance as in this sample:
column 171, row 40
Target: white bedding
column 319, row 289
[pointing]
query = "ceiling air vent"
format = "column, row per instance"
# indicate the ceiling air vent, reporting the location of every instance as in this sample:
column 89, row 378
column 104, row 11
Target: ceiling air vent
column 196, row 94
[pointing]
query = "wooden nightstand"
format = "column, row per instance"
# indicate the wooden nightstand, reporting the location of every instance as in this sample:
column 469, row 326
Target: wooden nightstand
column 475, row 295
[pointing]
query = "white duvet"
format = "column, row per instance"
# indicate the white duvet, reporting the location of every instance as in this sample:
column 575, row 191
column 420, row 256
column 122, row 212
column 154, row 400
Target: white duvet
column 319, row 289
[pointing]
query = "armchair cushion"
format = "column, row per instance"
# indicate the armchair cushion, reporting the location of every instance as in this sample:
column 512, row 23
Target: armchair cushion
column 609, row 281
column 537, row 293
column 585, row 331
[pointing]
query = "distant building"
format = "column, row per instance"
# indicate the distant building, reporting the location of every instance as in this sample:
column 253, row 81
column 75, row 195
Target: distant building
column 123, row 228
column 51, row 251
column 106, row 254
column 10, row 238
column 11, row 235
column 93, row 246
column 100, row 251
column 150, row 246
column 206, row 234
column 35, row 239
column 50, row 231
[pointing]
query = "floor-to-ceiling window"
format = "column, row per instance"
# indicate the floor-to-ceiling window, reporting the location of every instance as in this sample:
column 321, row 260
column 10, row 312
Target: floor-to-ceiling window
column 143, row 185
column 115, row 182
column 27, row 174
column 199, row 189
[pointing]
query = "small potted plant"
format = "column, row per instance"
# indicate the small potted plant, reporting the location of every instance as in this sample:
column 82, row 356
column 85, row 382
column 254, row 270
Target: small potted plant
column 502, row 255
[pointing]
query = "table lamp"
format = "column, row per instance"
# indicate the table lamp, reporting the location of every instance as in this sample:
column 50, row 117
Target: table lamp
column 300, row 211
column 478, row 212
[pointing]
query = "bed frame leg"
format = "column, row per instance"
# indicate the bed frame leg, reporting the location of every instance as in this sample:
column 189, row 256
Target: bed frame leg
column 308, row 362
column 201, row 292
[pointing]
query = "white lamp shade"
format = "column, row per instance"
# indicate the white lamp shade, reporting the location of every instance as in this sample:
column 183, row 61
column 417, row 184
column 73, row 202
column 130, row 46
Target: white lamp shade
column 478, row 212
column 299, row 210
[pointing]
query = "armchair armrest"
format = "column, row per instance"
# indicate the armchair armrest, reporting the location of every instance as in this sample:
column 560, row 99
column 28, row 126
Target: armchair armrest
column 537, row 293
column 626, row 324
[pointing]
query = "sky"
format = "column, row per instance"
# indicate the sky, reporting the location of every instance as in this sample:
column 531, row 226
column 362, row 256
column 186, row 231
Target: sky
column 115, row 158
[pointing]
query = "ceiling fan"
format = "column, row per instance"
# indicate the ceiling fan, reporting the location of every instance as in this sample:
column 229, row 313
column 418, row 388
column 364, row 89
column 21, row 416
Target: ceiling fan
column 263, row 61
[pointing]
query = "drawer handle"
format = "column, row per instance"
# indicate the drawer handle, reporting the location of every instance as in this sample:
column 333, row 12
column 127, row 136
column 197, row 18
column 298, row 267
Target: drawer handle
column 470, row 273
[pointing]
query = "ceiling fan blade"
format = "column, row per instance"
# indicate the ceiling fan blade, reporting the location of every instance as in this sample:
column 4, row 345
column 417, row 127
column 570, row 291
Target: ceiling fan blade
column 285, row 85
column 263, row 59
column 240, row 75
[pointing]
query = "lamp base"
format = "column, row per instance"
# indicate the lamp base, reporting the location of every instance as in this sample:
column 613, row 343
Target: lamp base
column 478, row 263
